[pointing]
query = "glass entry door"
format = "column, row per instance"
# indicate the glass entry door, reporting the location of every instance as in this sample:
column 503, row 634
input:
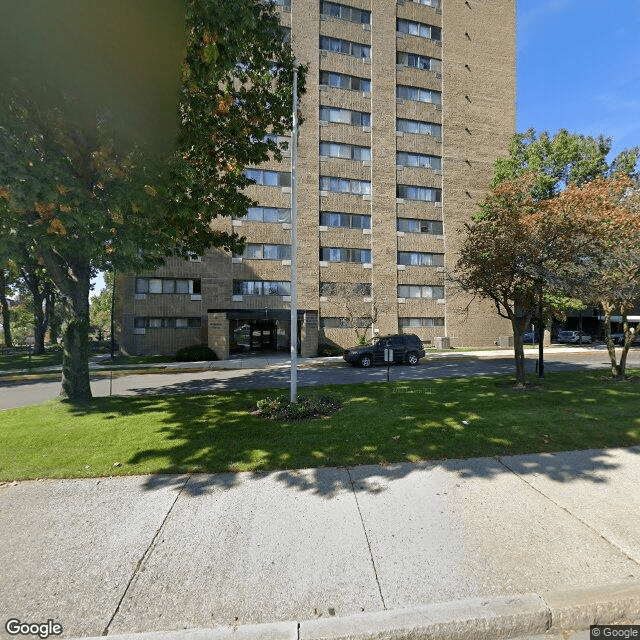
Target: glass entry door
column 264, row 335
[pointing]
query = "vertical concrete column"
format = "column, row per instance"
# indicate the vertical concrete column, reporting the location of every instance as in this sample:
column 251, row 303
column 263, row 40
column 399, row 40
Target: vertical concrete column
column 218, row 334
column 305, row 30
column 383, row 165
column 309, row 335
column 478, row 104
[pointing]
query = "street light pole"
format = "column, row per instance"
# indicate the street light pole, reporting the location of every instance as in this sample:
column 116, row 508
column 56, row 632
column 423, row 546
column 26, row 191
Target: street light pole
column 113, row 307
column 294, row 242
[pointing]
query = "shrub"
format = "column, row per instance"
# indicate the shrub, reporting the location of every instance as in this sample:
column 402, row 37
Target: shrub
column 195, row 353
column 279, row 407
column 326, row 349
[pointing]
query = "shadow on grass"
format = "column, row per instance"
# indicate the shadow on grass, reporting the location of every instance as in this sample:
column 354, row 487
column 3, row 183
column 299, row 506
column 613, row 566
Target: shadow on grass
column 387, row 431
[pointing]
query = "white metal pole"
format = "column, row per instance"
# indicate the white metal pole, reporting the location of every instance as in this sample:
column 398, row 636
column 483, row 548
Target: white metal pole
column 294, row 243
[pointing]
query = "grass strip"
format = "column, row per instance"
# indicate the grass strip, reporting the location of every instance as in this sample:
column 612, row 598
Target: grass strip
column 53, row 357
column 379, row 423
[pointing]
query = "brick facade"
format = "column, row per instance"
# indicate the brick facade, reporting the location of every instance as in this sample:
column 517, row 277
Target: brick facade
column 473, row 101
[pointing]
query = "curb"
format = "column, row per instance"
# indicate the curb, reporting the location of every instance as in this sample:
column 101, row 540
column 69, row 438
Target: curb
column 490, row 618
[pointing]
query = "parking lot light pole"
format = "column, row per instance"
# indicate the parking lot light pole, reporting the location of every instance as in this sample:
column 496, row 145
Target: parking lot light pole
column 294, row 241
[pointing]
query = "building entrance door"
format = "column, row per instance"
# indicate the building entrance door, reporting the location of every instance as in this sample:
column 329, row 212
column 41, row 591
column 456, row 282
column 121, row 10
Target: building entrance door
column 263, row 335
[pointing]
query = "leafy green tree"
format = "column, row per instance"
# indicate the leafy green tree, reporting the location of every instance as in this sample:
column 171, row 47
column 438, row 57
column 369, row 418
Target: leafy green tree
column 33, row 280
column 497, row 255
column 100, row 307
column 559, row 160
column 515, row 244
column 605, row 271
column 85, row 197
column 22, row 323
column 8, row 274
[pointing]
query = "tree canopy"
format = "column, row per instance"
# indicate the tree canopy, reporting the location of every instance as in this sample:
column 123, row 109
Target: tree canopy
column 549, row 218
column 82, row 195
column 603, row 219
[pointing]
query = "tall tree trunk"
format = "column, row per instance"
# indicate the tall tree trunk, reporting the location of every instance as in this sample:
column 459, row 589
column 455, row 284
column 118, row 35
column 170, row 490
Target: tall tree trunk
column 39, row 324
column 6, row 315
column 618, row 369
column 621, row 368
column 37, row 286
column 611, row 347
column 520, row 320
column 75, row 334
column 53, row 322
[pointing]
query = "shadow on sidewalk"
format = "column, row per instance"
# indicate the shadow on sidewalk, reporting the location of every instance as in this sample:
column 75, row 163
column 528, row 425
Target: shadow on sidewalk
column 328, row 482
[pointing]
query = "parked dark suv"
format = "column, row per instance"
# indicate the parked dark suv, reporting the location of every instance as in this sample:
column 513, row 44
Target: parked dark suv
column 406, row 348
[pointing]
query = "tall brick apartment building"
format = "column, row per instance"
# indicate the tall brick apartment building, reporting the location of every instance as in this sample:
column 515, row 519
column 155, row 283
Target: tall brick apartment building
column 408, row 104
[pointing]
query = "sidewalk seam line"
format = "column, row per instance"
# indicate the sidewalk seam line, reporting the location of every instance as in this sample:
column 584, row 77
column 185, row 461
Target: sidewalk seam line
column 145, row 555
column 364, row 529
column 572, row 515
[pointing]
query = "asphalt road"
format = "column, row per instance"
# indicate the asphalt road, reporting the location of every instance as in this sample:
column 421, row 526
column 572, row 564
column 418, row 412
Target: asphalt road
column 24, row 393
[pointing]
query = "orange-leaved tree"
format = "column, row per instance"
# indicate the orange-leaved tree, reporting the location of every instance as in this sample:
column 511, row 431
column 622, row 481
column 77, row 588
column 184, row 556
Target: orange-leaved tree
column 601, row 220
column 500, row 255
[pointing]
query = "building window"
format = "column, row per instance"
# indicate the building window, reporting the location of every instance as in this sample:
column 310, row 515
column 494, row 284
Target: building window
column 359, row 289
column 412, row 225
column 419, row 29
column 430, row 3
column 268, row 214
column 345, row 323
column 269, row 178
column 267, row 251
column 168, row 323
column 341, row 254
column 403, row 92
column 423, row 194
column 346, row 151
column 405, row 323
column 417, row 126
column 419, row 259
column 168, row 285
column 337, row 45
column 345, row 185
column 418, row 62
column 261, row 288
column 346, row 220
column 285, row 4
column 420, row 291
column 407, row 159
column 344, row 81
column 343, row 12
column 345, row 116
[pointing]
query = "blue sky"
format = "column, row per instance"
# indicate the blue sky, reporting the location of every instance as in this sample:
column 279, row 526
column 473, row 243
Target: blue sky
column 578, row 66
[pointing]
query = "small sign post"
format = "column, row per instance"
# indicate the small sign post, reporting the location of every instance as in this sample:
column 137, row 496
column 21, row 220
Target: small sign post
column 388, row 358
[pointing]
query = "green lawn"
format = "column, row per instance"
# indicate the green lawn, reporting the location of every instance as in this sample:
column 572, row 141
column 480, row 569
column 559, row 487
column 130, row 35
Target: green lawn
column 17, row 361
column 21, row 364
column 378, row 423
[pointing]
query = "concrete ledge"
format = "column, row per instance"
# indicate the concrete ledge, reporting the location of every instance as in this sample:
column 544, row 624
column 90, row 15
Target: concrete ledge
column 473, row 619
column 580, row 608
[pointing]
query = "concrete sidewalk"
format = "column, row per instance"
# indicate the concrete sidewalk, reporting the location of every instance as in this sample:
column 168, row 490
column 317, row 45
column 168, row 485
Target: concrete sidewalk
column 482, row 548
column 282, row 359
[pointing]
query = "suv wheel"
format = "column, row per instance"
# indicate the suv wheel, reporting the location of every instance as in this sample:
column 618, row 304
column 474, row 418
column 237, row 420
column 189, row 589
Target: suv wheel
column 365, row 361
column 412, row 358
